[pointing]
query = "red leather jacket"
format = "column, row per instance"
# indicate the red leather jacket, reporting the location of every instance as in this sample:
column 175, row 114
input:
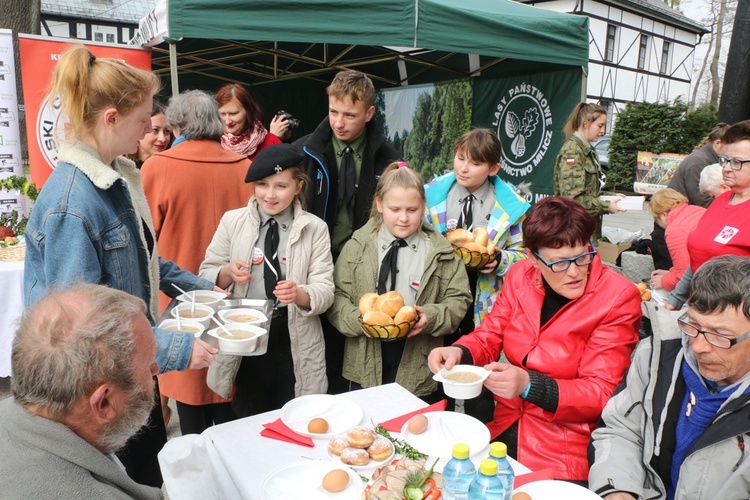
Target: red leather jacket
column 585, row 347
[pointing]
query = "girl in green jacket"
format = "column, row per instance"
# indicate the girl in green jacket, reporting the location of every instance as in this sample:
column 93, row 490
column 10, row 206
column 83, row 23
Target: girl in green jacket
column 397, row 250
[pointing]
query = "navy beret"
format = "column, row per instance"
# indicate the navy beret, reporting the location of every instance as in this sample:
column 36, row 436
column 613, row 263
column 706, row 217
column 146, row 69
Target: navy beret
column 272, row 160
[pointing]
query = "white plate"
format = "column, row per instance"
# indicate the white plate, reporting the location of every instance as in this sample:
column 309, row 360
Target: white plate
column 446, row 428
column 341, row 414
column 304, row 480
column 372, row 464
column 549, row 489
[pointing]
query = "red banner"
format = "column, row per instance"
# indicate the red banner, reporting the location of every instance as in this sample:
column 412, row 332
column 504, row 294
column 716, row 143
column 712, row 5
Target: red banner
column 38, row 58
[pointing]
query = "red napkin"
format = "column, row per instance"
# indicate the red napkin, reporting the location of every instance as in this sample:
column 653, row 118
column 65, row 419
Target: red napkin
column 278, row 430
column 539, row 475
column 396, row 424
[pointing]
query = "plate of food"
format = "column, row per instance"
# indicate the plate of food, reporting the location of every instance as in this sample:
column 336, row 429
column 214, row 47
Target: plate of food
column 321, row 415
column 549, row 489
column 390, row 481
column 311, row 480
column 360, row 448
column 443, row 430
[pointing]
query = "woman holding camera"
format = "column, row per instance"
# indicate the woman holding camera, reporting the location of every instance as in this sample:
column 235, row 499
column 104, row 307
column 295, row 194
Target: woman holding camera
column 244, row 132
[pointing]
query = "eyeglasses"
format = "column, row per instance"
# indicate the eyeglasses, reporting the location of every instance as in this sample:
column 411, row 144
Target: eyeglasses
column 715, row 339
column 562, row 265
column 734, row 163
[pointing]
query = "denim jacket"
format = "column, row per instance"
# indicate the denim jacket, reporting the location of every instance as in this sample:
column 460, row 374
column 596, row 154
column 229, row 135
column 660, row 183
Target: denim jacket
column 89, row 224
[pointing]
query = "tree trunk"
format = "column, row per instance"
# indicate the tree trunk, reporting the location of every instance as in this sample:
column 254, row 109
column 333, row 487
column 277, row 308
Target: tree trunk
column 699, row 78
column 21, row 16
column 735, row 95
column 714, row 68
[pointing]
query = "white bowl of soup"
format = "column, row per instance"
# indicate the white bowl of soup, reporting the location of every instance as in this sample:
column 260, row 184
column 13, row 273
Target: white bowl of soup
column 244, row 315
column 184, row 325
column 462, row 381
column 243, row 339
column 205, row 297
column 200, row 312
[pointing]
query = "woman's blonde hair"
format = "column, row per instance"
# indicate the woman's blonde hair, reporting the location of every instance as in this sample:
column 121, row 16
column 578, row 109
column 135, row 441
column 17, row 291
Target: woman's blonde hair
column 86, row 85
column 665, row 200
column 397, row 174
column 583, row 112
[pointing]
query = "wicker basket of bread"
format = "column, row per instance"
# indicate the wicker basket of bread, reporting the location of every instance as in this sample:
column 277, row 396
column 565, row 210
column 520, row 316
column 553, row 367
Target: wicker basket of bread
column 474, row 247
column 385, row 316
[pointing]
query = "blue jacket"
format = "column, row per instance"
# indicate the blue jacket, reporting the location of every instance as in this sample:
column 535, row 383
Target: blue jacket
column 504, row 228
column 90, row 224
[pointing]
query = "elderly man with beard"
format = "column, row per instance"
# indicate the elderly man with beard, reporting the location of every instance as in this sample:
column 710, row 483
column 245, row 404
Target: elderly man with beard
column 83, row 361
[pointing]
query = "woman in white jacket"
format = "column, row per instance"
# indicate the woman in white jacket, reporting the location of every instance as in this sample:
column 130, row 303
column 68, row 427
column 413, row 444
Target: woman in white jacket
column 274, row 249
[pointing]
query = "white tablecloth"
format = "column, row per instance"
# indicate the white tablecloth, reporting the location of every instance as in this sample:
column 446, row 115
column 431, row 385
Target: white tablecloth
column 11, row 307
column 230, row 461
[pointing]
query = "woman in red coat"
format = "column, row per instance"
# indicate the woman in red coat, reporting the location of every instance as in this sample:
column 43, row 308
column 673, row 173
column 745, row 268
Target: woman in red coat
column 567, row 325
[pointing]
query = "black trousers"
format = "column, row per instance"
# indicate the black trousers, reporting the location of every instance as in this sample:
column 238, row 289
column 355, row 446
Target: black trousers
column 195, row 419
column 266, row 382
column 334, row 357
column 139, row 454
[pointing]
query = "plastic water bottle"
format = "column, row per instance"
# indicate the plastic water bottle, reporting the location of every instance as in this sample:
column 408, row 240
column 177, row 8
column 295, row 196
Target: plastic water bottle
column 458, row 474
column 487, row 485
column 499, row 453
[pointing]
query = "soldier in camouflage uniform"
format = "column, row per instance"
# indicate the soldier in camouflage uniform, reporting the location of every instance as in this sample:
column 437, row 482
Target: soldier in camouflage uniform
column 578, row 173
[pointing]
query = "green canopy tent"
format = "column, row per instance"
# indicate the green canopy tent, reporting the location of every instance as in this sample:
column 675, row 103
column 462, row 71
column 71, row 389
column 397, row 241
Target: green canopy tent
column 397, row 42
column 287, row 51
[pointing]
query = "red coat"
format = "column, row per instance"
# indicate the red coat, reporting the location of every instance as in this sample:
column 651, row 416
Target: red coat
column 189, row 188
column 681, row 221
column 585, row 347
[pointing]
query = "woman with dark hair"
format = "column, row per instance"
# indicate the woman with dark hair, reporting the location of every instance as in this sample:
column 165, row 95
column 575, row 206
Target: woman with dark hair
column 244, row 132
column 567, row 325
column 156, row 140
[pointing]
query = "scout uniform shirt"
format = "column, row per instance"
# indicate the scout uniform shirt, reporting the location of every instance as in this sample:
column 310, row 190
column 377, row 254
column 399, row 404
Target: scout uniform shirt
column 256, row 287
column 481, row 207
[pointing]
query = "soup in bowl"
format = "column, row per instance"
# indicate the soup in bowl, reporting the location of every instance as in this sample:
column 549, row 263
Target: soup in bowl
column 243, row 315
column 205, row 297
column 185, row 325
column 200, row 312
column 462, row 381
column 242, row 339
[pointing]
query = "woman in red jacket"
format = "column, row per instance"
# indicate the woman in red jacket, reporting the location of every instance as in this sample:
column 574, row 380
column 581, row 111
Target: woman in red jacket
column 567, row 325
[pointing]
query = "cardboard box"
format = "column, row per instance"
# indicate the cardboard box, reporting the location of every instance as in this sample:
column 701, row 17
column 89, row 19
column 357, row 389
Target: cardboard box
column 609, row 251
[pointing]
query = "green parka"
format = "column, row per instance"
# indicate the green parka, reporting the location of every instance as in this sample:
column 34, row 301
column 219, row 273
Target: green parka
column 443, row 293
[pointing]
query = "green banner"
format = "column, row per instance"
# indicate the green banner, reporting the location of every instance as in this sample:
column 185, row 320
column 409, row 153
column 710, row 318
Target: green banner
column 528, row 113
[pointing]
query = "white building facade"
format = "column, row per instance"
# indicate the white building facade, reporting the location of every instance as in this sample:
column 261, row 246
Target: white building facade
column 639, row 50
column 105, row 21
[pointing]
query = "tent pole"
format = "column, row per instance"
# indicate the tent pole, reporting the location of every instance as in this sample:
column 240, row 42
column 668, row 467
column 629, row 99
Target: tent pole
column 173, row 68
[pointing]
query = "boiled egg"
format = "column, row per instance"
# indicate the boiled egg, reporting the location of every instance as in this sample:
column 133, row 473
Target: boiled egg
column 335, row 481
column 417, row 424
column 521, row 496
column 317, row 426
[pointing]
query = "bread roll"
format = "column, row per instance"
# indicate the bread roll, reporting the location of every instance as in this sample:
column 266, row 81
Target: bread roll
column 377, row 318
column 405, row 314
column 360, row 437
column 366, row 303
column 481, row 236
column 389, row 303
column 459, row 236
column 475, row 247
column 491, row 248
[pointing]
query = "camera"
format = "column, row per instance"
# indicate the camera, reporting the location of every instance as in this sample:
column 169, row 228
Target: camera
column 293, row 122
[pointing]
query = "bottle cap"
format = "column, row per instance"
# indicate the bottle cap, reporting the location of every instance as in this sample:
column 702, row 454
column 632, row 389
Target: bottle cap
column 461, row 451
column 498, row 450
column 488, row 467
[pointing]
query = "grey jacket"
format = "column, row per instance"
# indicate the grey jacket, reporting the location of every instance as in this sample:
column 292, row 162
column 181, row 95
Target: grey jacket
column 309, row 264
column 687, row 176
column 41, row 458
column 632, row 449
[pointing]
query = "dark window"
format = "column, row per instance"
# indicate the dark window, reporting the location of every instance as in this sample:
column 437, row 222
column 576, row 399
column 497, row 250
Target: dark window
column 664, row 69
column 609, row 55
column 642, row 52
column 98, row 37
column 110, row 38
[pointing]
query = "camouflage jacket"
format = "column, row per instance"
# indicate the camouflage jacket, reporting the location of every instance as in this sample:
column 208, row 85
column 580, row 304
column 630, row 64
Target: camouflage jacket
column 579, row 175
